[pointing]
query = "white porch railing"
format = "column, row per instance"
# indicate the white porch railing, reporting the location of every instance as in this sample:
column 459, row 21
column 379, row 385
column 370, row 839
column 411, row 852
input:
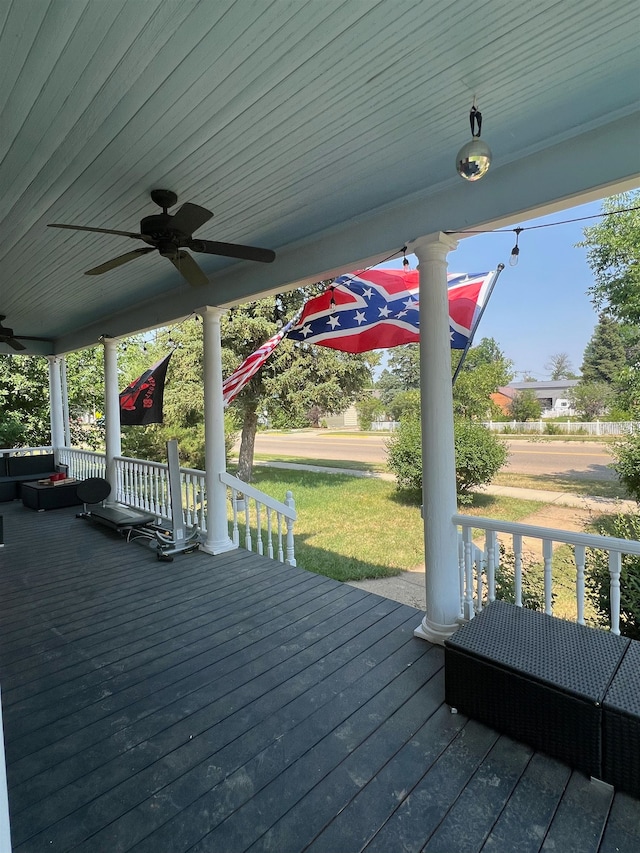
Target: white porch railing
column 478, row 566
column 82, row 464
column 271, row 520
column 266, row 524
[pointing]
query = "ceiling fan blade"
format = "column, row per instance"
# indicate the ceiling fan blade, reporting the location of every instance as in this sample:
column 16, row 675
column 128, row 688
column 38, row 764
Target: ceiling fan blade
column 12, row 342
column 189, row 269
column 117, row 262
column 97, row 230
column 190, row 217
column 233, row 250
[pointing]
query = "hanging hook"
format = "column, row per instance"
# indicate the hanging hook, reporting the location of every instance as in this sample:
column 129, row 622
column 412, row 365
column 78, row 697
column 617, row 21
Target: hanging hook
column 475, row 117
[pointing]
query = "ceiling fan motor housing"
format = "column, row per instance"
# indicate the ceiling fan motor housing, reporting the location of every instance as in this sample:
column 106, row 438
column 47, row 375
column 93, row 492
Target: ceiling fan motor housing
column 160, row 233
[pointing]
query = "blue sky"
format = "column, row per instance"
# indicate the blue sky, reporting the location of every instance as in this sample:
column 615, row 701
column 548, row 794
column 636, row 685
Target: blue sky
column 539, row 307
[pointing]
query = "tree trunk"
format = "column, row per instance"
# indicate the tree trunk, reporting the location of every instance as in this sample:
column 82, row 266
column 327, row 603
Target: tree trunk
column 247, row 443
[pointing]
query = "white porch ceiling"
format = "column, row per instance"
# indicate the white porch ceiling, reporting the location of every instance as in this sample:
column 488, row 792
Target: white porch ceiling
column 326, row 131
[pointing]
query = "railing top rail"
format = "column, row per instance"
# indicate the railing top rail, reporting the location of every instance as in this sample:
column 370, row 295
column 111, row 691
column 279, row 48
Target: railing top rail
column 158, row 465
column 247, row 489
column 9, row 451
column 146, row 462
column 607, row 543
column 82, row 452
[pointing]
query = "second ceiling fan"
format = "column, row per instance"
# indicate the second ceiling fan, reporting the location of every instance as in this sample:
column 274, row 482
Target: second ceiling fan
column 170, row 234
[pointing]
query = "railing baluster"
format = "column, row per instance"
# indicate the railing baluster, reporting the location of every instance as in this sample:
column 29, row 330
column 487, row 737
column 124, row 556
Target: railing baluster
column 259, row 528
column 235, row 535
column 468, row 573
column 461, row 572
column 579, row 551
column 517, row 554
column 247, row 525
column 269, row 535
column 280, row 552
column 615, row 568
column 290, row 559
column 547, row 556
column 491, row 547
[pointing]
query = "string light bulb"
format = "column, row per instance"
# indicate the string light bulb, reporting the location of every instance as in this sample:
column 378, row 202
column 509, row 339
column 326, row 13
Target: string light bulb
column 474, row 158
column 515, row 252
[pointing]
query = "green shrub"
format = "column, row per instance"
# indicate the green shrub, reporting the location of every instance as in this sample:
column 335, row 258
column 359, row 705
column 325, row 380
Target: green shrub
column 597, row 575
column 532, row 584
column 479, row 455
column 368, row 410
column 627, row 465
column 404, row 454
column 552, row 429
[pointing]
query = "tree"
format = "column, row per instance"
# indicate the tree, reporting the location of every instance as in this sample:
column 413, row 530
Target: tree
column 590, row 399
column 484, row 370
column 24, row 401
column 559, row 367
column 525, row 406
column 404, row 364
column 613, row 253
column 389, row 385
column 604, row 356
column 296, row 378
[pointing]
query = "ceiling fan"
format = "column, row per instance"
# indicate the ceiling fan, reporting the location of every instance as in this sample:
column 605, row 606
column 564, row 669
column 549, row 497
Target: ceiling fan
column 170, row 234
column 7, row 337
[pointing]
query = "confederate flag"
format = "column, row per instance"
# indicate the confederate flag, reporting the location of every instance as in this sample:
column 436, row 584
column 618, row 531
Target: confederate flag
column 377, row 309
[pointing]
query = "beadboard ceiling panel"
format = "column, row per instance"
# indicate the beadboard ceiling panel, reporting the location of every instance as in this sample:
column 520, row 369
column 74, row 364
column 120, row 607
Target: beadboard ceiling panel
column 326, row 131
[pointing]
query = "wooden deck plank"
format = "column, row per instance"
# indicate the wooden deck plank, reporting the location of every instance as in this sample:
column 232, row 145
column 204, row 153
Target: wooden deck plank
column 233, row 703
column 484, row 797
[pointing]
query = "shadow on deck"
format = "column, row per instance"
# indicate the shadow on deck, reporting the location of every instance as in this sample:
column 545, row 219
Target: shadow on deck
column 232, row 703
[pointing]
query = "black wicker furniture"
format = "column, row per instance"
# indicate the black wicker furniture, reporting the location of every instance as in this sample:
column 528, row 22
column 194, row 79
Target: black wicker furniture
column 621, row 725
column 16, row 470
column 40, row 497
column 539, row 679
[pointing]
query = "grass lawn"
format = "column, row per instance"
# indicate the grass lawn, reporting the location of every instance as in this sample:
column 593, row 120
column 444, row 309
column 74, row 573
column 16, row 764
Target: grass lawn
column 351, row 528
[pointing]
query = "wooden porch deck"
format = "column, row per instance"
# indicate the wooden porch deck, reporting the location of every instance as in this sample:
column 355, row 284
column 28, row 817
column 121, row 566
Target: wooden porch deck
column 233, row 703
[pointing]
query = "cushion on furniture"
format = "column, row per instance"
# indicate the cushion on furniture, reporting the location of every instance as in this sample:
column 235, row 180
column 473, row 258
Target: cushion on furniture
column 28, row 466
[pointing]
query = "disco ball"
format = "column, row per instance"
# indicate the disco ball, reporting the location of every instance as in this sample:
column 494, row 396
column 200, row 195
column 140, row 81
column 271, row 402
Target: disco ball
column 473, row 160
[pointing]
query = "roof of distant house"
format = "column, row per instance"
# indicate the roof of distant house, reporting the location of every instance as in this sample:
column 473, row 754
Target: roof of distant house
column 551, row 385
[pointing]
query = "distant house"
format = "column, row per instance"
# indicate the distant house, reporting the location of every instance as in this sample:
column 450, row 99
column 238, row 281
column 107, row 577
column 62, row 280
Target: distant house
column 552, row 394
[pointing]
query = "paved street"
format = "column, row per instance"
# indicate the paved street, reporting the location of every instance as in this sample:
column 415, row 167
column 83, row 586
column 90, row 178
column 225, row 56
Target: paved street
column 537, row 456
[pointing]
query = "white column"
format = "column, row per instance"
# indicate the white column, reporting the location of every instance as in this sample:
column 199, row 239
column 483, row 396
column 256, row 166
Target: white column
column 218, row 539
column 65, row 402
column 55, row 404
column 113, row 446
column 438, row 449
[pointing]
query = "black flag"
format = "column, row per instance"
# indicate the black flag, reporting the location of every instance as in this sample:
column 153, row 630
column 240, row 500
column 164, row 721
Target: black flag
column 141, row 401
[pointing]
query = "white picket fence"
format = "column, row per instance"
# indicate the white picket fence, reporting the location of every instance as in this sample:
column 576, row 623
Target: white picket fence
column 566, row 427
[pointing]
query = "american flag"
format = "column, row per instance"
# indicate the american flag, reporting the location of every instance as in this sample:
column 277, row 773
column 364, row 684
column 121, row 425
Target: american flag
column 232, row 386
column 378, row 309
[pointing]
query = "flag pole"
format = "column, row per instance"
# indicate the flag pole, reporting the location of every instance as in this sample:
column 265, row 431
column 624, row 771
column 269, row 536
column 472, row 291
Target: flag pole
column 499, row 269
